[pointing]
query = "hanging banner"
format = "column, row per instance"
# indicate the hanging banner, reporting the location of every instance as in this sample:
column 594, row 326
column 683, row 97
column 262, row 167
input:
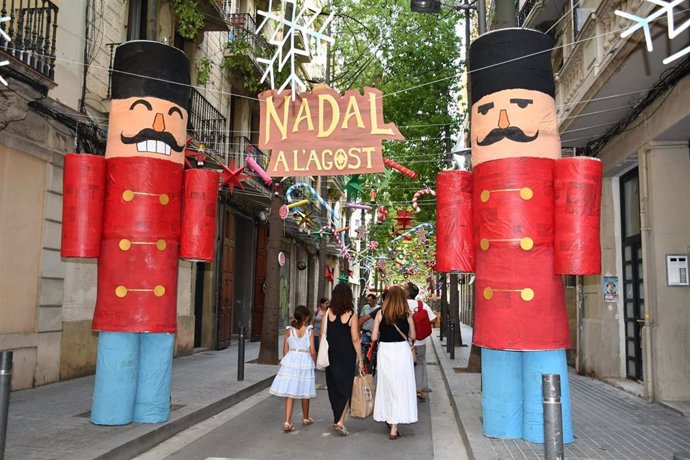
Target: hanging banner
column 321, row 133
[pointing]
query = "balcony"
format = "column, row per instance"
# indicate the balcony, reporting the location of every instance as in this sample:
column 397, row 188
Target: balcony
column 32, row 29
column 206, row 124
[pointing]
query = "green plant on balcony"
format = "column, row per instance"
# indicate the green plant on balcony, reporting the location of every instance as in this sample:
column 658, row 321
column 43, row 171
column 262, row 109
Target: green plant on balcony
column 189, row 19
column 238, row 59
column 204, row 71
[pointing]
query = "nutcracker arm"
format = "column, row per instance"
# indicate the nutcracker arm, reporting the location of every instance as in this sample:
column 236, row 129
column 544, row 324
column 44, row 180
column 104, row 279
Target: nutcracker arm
column 454, row 224
column 577, row 210
column 199, row 205
column 82, row 205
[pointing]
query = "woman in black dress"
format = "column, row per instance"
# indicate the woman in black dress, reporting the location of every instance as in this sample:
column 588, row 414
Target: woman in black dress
column 344, row 352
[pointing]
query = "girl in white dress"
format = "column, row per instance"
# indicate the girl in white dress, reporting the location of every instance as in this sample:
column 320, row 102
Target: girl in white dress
column 295, row 379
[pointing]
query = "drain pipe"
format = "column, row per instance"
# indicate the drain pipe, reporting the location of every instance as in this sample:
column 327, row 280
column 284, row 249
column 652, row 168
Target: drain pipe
column 648, row 262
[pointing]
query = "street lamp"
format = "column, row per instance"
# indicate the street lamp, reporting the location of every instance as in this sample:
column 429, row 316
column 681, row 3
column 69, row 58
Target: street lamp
column 434, row 7
column 426, row 6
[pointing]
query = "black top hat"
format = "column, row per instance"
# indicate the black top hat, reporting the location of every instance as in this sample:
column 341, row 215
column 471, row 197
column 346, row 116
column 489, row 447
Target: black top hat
column 511, row 59
column 151, row 69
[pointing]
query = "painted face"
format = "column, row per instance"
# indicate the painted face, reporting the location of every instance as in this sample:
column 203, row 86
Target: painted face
column 514, row 123
column 147, row 127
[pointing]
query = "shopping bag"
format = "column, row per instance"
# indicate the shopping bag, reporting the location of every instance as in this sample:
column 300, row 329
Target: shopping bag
column 322, row 361
column 363, row 394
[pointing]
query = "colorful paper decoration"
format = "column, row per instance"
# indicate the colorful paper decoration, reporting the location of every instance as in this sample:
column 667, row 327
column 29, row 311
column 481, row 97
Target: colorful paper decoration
column 381, row 214
column 305, row 220
column 373, row 245
column 353, row 187
column 365, row 207
column 334, row 233
column 254, row 166
column 232, row 177
column 310, row 189
column 403, row 218
column 400, row 168
column 361, row 232
column 413, row 230
column 329, row 274
column 425, row 191
column 7, row 39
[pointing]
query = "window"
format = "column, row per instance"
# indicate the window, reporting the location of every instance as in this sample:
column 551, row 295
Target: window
column 136, row 24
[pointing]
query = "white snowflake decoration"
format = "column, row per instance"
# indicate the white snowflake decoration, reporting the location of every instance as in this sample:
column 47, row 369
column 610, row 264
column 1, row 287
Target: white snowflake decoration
column 9, row 39
column 287, row 51
column 643, row 23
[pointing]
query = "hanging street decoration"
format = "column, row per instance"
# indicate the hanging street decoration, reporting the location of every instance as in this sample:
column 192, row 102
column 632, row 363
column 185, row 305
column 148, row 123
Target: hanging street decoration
column 353, row 187
column 281, row 258
column 666, row 8
column 364, row 207
column 254, row 166
column 400, row 168
column 284, row 210
column 426, row 191
column 421, row 235
column 373, row 245
column 305, row 220
column 292, row 26
column 361, row 232
column 381, row 214
column 334, row 233
column 403, row 218
column 232, row 177
column 314, row 193
column 324, row 134
column 329, row 274
column 419, row 229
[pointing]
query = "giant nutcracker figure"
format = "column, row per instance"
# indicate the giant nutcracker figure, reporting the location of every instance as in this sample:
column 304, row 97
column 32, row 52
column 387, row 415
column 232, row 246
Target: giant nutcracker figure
column 521, row 219
column 137, row 210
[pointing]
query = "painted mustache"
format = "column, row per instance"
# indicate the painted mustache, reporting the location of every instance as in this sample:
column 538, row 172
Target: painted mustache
column 512, row 132
column 149, row 134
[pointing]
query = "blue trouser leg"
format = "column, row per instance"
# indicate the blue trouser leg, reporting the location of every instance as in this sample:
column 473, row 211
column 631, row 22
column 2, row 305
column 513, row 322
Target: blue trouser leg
column 116, row 375
column 152, row 404
column 536, row 363
column 502, row 393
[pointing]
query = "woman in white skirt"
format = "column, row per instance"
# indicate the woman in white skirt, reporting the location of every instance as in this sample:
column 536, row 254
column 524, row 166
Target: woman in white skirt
column 396, row 391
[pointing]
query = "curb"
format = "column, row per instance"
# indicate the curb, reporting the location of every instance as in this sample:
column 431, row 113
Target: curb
column 453, row 405
column 168, row 430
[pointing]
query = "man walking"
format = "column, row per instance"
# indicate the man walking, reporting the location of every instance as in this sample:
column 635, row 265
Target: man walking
column 420, row 366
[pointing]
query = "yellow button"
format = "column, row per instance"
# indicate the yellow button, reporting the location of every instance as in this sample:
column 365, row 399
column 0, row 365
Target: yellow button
column 526, row 193
column 161, row 245
column 488, row 293
column 125, row 245
column 159, row 291
column 527, row 294
column 484, row 244
column 526, row 243
column 164, row 199
column 120, row 291
column 128, row 195
column 485, row 196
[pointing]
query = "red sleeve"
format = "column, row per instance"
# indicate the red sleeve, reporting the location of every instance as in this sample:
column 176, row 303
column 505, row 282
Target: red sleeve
column 83, row 187
column 199, row 206
column 577, row 191
column 454, row 240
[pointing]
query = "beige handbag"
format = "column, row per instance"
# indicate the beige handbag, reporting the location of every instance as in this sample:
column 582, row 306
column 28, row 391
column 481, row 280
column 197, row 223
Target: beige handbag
column 363, row 395
column 322, row 361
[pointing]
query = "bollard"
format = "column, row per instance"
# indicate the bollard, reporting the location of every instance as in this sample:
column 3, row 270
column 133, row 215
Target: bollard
column 5, row 386
column 553, row 418
column 451, row 340
column 240, row 356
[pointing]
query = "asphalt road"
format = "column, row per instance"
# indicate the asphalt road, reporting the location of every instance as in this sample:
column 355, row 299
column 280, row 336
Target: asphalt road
column 252, row 430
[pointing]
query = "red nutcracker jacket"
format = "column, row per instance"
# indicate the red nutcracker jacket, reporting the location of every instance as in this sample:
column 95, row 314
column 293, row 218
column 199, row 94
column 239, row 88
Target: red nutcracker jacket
column 532, row 219
column 140, row 238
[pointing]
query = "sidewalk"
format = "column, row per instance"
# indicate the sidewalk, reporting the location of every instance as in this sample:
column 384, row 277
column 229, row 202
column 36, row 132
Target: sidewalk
column 52, row 421
column 609, row 423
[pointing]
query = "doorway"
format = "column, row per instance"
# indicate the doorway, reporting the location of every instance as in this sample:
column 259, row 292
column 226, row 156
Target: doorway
column 633, row 282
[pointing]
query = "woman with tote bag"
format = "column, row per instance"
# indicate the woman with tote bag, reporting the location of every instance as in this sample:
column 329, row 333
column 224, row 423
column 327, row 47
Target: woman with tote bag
column 344, row 351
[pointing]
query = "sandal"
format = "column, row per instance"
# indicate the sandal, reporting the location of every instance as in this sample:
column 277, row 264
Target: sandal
column 307, row 421
column 341, row 430
column 288, row 427
column 394, row 436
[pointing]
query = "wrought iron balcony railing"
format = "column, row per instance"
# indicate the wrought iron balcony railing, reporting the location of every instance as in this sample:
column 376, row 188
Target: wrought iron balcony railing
column 33, row 30
column 206, row 124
